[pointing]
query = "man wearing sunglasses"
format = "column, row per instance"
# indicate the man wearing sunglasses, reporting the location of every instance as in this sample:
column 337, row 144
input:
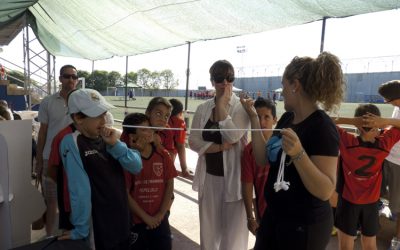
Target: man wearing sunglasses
column 52, row 117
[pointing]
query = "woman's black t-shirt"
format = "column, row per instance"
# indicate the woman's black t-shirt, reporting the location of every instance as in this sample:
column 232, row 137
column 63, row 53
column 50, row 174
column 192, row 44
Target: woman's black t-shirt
column 318, row 136
column 214, row 161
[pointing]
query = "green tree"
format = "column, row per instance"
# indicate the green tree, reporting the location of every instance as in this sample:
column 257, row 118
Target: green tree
column 114, row 77
column 84, row 74
column 98, row 80
column 143, row 78
column 167, row 79
column 155, row 82
column 132, row 77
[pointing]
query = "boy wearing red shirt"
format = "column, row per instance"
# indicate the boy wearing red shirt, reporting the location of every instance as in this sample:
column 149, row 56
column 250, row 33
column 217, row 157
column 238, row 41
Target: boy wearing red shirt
column 176, row 121
column 253, row 175
column 150, row 192
column 360, row 177
column 57, row 173
column 159, row 111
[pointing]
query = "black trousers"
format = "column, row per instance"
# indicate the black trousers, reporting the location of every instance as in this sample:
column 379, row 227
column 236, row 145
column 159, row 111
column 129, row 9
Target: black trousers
column 151, row 239
column 278, row 234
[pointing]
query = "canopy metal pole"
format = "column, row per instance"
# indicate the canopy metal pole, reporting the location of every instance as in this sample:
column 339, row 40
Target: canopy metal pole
column 28, row 73
column 54, row 75
column 48, row 72
column 187, row 78
column 187, row 87
column 323, row 34
column 126, row 84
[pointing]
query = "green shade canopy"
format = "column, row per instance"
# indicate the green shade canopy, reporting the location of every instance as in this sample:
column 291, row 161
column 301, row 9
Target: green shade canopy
column 100, row 29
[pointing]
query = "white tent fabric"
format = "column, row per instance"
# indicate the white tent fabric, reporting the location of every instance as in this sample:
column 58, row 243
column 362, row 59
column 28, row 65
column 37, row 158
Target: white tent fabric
column 99, row 29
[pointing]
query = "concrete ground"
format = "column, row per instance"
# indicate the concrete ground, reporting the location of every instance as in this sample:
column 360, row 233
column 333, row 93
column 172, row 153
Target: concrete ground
column 184, row 221
column 184, row 218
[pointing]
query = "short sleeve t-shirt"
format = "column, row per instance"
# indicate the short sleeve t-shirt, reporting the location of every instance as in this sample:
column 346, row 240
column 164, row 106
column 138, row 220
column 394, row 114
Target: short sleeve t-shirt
column 319, row 137
column 53, row 112
column 167, row 139
column 360, row 176
column 252, row 173
column 148, row 187
column 179, row 135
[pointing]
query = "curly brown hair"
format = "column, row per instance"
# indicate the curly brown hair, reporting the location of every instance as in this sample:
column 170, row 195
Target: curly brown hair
column 321, row 78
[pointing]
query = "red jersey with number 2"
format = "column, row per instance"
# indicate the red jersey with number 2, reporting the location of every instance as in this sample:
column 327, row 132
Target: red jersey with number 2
column 360, row 165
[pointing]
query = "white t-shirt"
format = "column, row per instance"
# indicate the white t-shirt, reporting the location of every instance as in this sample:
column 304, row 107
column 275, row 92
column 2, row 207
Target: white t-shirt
column 394, row 155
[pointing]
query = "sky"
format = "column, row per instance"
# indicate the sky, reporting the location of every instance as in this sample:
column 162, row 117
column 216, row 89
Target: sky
column 364, row 43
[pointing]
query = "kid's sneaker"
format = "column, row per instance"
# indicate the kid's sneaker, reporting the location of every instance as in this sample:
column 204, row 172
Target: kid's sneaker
column 395, row 244
column 334, row 231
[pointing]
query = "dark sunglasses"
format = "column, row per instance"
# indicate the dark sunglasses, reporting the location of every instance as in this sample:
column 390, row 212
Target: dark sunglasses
column 68, row 76
column 220, row 79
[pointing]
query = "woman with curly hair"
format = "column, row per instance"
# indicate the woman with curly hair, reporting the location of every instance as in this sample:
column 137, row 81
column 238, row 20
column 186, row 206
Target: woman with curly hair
column 302, row 155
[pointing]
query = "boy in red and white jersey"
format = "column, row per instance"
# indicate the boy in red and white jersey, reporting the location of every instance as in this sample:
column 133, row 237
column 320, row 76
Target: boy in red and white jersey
column 360, row 177
column 150, row 192
column 254, row 176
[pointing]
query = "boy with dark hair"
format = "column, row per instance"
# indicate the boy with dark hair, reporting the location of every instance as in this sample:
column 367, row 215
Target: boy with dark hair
column 360, row 177
column 159, row 111
column 93, row 158
column 177, row 121
column 150, row 192
column 252, row 174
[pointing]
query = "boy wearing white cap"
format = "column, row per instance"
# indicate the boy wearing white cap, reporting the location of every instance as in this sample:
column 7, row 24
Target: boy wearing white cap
column 93, row 157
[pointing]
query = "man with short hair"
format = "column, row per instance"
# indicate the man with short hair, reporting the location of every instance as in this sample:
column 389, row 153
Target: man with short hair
column 53, row 117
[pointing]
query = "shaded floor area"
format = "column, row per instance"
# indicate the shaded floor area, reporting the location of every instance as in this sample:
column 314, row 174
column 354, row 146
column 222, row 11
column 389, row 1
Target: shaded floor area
column 184, row 220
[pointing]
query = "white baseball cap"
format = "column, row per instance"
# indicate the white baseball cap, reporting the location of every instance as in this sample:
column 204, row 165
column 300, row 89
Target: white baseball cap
column 88, row 101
